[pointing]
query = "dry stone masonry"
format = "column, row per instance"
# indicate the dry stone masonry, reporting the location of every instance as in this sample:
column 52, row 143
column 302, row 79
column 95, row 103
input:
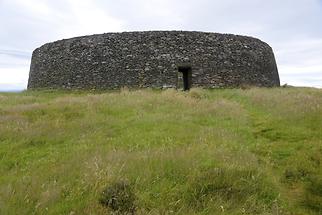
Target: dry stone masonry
column 157, row 59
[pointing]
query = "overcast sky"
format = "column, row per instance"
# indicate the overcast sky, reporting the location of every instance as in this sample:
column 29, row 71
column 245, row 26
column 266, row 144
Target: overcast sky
column 292, row 27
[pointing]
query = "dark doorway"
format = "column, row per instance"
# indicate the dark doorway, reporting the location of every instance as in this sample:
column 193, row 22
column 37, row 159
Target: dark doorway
column 186, row 76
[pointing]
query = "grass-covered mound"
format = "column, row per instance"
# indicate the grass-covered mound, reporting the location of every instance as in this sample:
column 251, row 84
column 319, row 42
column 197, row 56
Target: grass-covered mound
column 233, row 151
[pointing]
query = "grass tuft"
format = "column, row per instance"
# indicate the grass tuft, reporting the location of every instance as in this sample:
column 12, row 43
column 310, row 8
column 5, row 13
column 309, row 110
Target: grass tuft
column 119, row 197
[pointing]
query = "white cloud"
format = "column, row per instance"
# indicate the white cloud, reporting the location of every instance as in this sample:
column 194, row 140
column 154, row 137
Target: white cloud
column 38, row 8
column 14, row 78
column 291, row 27
column 300, row 61
column 86, row 18
column 13, row 58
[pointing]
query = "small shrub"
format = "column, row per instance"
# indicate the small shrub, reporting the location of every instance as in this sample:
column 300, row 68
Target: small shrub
column 119, row 197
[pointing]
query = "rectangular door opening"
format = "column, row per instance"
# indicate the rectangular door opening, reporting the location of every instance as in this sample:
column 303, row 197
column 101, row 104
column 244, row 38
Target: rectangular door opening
column 186, row 77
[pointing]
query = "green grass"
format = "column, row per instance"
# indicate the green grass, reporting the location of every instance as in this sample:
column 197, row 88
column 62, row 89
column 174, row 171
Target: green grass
column 229, row 151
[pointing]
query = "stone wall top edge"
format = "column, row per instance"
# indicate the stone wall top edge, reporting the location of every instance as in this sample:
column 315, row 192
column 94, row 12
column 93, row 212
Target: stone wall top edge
column 154, row 32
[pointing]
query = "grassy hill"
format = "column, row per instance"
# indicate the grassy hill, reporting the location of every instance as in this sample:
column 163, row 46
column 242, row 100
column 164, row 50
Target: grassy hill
column 230, row 151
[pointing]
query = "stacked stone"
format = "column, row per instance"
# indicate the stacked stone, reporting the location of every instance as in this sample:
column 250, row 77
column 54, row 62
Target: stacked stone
column 151, row 59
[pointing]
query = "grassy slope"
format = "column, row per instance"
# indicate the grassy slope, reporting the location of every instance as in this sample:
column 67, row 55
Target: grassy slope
column 233, row 151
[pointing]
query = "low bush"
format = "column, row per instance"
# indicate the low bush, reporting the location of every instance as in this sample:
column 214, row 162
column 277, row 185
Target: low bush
column 119, row 197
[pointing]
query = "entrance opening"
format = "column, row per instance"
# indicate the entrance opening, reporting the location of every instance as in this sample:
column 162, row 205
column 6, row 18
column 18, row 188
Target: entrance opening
column 186, row 76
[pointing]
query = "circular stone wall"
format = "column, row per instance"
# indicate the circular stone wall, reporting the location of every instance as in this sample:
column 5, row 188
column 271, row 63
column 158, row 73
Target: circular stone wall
column 153, row 59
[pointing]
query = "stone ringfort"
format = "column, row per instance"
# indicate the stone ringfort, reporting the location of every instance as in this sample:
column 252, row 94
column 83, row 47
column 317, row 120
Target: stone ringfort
column 156, row 59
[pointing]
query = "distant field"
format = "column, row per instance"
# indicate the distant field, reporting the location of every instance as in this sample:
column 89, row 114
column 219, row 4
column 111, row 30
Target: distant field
column 229, row 151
